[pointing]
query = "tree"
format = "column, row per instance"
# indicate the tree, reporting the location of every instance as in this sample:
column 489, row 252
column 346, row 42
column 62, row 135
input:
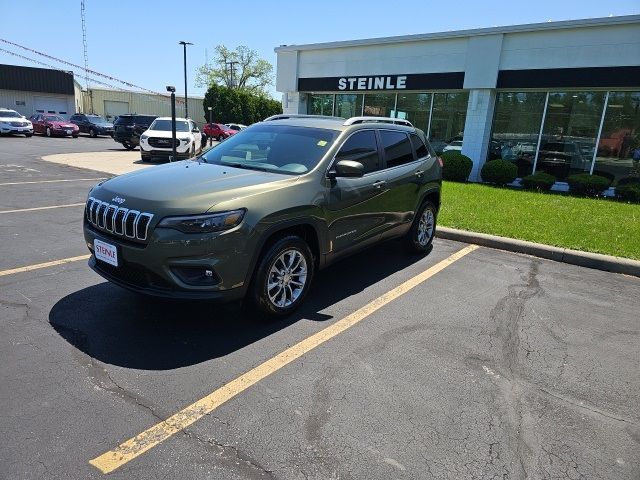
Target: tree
column 238, row 106
column 240, row 69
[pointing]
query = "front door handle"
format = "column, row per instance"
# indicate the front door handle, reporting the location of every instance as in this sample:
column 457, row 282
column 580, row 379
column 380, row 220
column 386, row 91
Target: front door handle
column 379, row 184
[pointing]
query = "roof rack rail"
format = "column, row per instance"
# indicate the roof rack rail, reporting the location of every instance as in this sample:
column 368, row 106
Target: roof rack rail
column 284, row 116
column 396, row 121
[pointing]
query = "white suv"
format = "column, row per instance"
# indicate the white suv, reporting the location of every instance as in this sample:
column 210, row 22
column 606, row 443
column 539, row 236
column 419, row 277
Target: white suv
column 12, row 122
column 155, row 142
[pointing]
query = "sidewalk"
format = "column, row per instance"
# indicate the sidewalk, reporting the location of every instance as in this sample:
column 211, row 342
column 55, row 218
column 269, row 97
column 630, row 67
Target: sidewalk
column 113, row 162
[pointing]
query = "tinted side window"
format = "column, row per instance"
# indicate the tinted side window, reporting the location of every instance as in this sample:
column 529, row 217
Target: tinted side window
column 145, row 119
column 397, row 148
column 122, row 120
column 419, row 146
column 361, row 147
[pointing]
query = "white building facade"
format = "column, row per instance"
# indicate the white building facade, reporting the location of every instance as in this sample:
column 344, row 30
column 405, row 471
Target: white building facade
column 557, row 97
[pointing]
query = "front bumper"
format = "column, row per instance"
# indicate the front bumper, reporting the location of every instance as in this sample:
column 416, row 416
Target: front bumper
column 183, row 152
column 16, row 130
column 158, row 267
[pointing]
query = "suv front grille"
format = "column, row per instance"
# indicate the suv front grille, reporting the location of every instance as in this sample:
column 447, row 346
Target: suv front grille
column 134, row 274
column 118, row 220
column 162, row 142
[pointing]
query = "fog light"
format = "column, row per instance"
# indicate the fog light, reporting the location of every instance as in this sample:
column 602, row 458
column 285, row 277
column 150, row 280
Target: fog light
column 200, row 276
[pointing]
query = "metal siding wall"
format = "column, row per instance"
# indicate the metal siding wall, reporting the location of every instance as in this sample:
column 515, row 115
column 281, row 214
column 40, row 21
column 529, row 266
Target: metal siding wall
column 143, row 103
column 8, row 100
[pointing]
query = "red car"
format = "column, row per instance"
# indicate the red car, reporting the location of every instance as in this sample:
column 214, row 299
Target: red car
column 51, row 125
column 217, row 131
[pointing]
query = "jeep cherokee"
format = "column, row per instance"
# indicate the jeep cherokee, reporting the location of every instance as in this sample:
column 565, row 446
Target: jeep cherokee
column 260, row 213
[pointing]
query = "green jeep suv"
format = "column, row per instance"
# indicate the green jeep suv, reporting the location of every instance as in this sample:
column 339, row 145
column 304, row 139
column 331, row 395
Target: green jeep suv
column 259, row 214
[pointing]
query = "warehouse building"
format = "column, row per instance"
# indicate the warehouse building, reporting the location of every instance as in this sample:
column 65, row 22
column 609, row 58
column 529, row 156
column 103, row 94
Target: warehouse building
column 559, row 97
column 31, row 90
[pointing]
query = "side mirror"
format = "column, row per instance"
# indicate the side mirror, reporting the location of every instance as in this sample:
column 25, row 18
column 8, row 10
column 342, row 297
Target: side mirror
column 347, row 169
column 195, row 130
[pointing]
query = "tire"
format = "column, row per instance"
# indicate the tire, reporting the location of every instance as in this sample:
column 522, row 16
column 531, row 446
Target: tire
column 28, row 135
column 423, row 229
column 75, row 136
column 220, row 138
column 48, row 132
column 281, row 299
column 128, row 145
column 92, row 133
column 193, row 151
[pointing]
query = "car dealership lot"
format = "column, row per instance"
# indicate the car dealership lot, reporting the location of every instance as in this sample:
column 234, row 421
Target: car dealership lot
column 496, row 366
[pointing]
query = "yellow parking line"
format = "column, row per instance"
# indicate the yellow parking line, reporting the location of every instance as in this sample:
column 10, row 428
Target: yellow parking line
column 136, row 446
column 53, row 181
column 37, row 266
column 42, row 208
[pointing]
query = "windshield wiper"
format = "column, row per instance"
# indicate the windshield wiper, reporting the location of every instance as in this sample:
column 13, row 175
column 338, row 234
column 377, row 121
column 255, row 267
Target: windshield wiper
column 244, row 166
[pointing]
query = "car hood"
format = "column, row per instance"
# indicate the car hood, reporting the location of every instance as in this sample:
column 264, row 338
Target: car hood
column 13, row 119
column 165, row 134
column 186, row 187
column 62, row 124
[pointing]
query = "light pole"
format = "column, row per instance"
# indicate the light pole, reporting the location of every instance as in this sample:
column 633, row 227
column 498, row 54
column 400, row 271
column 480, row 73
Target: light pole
column 210, row 121
column 172, row 89
column 186, row 105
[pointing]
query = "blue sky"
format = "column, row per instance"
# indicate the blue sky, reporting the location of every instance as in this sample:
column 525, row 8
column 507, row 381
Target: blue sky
column 137, row 40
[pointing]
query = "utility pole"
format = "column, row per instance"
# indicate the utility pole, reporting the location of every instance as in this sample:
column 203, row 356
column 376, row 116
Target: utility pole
column 186, row 104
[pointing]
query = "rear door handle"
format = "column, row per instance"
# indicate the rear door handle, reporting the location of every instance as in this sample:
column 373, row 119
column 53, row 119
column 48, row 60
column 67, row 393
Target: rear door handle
column 379, row 184
column 419, row 173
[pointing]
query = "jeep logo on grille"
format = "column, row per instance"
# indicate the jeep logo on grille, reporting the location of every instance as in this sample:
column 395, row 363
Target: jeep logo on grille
column 118, row 200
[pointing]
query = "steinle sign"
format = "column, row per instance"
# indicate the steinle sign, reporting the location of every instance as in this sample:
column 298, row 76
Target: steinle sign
column 373, row 83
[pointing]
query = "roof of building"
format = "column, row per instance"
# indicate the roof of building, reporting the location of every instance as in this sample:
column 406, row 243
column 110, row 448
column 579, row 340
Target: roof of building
column 529, row 27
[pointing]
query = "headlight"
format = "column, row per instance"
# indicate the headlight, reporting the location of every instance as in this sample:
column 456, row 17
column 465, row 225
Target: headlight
column 144, row 137
column 206, row 223
column 185, row 140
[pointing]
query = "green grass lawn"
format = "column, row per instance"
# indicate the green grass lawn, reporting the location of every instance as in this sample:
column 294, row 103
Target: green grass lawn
column 593, row 225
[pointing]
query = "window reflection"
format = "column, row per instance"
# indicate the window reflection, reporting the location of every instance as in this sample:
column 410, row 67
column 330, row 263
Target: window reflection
column 447, row 121
column 379, row 104
column 348, row 105
column 516, row 127
column 415, row 108
column 320, row 104
column 619, row 148
column 569, row 133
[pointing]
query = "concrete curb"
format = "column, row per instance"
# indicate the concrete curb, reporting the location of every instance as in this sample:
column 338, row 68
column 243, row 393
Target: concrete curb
column 573, row 257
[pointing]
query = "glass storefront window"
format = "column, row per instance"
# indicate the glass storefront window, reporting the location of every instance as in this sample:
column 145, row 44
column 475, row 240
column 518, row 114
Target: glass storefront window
column 619, row 148
column 320, row 104
column 447, row 121
column 379, row 104
column 516, row 128
column 415, row 108
column 569, row 133
column 348, row 105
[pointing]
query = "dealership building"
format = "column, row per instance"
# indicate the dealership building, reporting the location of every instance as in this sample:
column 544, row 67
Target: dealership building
column 558, row 97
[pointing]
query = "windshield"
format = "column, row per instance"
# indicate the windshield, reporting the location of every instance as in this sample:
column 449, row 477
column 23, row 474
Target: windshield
column 165, row 125
column 10, row 114
column 54, row 118
column 273, row 148
column 97, row 120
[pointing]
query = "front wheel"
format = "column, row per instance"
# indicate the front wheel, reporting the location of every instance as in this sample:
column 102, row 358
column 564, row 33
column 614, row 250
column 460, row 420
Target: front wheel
column 220, row 138
column 128, row 145
column 423, row 229
column 92, row 133
column 283, row 276
column 48, row 132
column 28, row 135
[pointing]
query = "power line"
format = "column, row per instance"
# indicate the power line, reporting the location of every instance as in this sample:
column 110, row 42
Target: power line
column 88, row 71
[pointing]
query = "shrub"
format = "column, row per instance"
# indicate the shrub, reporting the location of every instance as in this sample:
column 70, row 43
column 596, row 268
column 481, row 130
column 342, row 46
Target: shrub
column 629, row 192
column 538, row 181
column 499, row 172
column 456, row 167
column 628, row 181
column 589, row 185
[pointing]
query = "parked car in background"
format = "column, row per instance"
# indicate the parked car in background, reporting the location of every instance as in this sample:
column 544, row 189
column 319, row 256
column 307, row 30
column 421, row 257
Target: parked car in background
column 236, row 126
column 53, row 125
column 156, row 142
column 561, row 158
column 128, row 128
column 12, row 122
column 94, row 125
column 218, row 131
column 456, row 145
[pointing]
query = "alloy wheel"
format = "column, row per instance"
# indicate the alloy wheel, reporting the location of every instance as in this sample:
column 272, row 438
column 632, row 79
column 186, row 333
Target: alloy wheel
column 426, row 227
column 287, row 278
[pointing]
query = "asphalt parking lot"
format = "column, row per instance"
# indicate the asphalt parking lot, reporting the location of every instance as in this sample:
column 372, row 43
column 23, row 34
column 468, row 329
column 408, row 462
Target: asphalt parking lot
column 490, row 365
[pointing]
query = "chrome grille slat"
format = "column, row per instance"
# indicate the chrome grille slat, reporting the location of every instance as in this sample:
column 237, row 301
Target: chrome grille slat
column 118, row 220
